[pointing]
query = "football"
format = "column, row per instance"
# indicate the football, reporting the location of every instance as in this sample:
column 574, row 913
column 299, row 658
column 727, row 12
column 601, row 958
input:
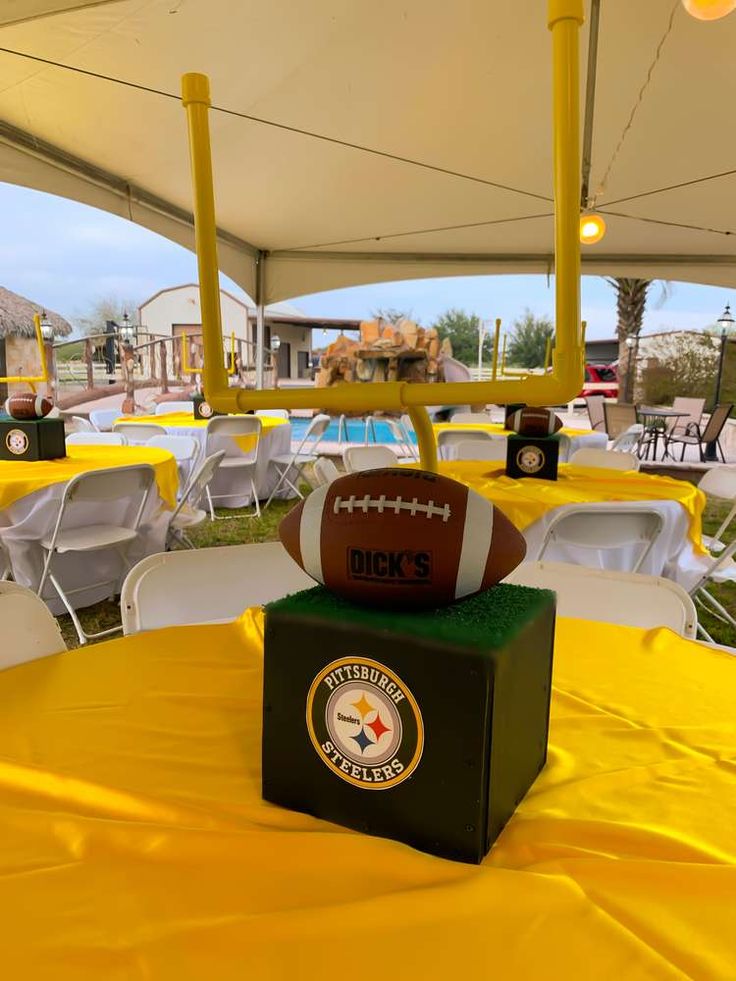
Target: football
column 531, row 421
column 28, row 405
column 401, row 538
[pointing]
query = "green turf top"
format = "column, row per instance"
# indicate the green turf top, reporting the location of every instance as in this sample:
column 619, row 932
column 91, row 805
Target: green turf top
column 487, row 620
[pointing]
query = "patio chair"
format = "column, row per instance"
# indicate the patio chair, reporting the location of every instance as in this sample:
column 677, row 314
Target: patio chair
column 448, row 438
column 111, row 489
column 603, row 596
column 618, row 417
column 325, row 471
column 221, row 435
column 168, row 408
column 96, row 439
column 608, row 459
column 721, row 569
column 703, row 437
column 481, row 449
column 138, row 433
column 29, row 630
column 210, row 585
column 185, row 450
column 188, row 514
column 694, row 409
column 104, row 419
column 359, row 458
column 604, row 527
column 294, row 463
column 720, row 482
column 628, row 441
column 596, row 414
column 273, row 413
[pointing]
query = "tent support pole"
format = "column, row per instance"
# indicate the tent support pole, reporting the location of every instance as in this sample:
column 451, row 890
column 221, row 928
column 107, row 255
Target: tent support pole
column 260, row 320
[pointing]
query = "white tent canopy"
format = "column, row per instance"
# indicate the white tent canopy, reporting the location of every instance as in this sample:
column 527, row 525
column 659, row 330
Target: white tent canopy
column 384, row 140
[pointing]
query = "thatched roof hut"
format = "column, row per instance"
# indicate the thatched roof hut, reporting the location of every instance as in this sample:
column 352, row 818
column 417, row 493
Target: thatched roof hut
column 16, row 316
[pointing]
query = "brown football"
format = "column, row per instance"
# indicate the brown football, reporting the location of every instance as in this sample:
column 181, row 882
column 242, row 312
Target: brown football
column 401, row 538
column 531, row 421
column 28, row 405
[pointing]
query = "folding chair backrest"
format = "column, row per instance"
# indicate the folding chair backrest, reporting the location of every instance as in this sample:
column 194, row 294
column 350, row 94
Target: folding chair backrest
column 221, row 433
column 604, row 596
column 481, row 449
column 608, row 459
column 628, row 440
column 466, row 418
column 315, row 431
column 594, row 404
column 325, row 471
column 138, row 432
column 273, row 413
column 103, row 419
column 82, row 425
column 450, row 437
column 122, row 490
column 183, row 447
column 619, row 416
column 207, row 585
column 29, row 630
column 717, row 421
column 604, row 526
column 199, row 480
column 96, row 439
column 357, row 458
column 720, row 481
column 694, row 409
column 167, row 408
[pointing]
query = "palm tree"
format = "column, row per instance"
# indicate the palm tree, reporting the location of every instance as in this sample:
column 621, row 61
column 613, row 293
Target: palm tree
column 631, row 301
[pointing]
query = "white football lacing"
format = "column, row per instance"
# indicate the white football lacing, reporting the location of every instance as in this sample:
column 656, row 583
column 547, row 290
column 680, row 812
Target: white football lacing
column 396, row 505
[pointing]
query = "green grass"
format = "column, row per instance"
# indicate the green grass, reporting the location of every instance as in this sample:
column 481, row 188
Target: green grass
column 239, row 529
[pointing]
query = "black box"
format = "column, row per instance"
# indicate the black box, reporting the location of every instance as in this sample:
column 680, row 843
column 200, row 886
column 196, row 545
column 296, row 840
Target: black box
column 31, row 439
column 202, row 408
column 532, row 456
column 424, row 727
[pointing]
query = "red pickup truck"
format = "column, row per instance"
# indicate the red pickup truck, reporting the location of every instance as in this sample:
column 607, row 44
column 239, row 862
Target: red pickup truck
column 600, row 379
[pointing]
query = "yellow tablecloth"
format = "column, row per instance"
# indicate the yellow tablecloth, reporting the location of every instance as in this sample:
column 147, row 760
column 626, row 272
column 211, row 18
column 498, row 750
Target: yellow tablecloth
column 135, row 843
column 185, row 420
column 527, row 500
column 18, row 478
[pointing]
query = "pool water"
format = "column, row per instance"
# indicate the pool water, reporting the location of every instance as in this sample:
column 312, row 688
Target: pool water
column 352, row 431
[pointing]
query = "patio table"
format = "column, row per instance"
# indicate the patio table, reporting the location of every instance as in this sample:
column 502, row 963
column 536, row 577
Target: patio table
column 651, row 416
column 576, row 439
column 136, row 844
column 30, row 494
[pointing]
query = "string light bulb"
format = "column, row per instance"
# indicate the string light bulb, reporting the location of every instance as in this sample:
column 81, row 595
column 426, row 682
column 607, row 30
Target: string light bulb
column 592, row 229
column 709, row 9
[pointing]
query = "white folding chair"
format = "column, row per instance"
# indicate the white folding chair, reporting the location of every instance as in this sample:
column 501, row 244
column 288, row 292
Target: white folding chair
column 210, row 585
column 628, row 441
column 408, row 451
column 721, row 569
column 29, row 630
column 325, row 471
column 605, row 459
column 185, row 450
column 357, row 458
column 273, row 413
column 291, row 465
column 481, row 449
column 188, row 514
column 168, row 408
column 96, row 439
column 719, row 481
column 447, row 438
column 104, row 419
column 73, row 534
column 604, row 526
column 82, row 425
column 138, row 433
column 222, row 433
column 471, row 418
column 604, row 596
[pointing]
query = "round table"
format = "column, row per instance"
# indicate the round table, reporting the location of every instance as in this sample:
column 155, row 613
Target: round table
column 653, row 414
column 575, row 439
column 136, row 844
column 30, row 494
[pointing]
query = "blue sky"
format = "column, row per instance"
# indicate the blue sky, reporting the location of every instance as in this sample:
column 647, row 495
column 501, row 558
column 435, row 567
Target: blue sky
column 65, row 255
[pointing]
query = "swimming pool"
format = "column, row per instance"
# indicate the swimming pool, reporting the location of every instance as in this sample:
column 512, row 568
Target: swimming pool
column 353, row 431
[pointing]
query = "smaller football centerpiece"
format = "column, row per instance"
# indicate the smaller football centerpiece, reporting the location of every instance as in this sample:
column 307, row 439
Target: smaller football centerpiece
column 534, row 448
column 26, row 433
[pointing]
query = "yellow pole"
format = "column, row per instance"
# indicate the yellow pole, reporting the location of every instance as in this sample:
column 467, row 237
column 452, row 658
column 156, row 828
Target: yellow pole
column 503, row 357
column 582, row 334
column 547, row 353
column 425, row 437
column 496, row 339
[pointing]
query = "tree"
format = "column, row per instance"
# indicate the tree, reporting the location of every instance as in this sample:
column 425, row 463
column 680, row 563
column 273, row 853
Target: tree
column 93, row 318
column 529, row 336
column 681, row 364
column 462, row 330
column 631, row 301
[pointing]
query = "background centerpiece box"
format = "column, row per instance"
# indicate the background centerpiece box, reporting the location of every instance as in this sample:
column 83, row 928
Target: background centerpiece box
column 31, row 439
column 202, row 408
column 424, row 727
column 532, row 456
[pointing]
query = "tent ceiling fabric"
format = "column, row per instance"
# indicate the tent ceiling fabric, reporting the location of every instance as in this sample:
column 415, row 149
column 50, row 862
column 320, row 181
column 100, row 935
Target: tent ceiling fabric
column 463, row 87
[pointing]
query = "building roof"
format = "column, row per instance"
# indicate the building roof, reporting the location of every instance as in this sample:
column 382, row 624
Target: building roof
column 16, row 316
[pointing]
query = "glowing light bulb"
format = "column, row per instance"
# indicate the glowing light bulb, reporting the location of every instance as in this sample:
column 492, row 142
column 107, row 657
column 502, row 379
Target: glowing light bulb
column 709, row 9
column 592, row 229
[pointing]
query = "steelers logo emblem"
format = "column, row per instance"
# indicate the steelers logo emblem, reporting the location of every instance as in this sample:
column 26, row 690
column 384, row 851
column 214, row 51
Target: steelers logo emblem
column 530, row 459
column 205, row 410
column 16, row 442
column 364, row 723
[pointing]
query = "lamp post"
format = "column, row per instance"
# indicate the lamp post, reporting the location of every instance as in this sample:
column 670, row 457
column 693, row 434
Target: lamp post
column 726, row 323
column 47, row 333
column 630, row 366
